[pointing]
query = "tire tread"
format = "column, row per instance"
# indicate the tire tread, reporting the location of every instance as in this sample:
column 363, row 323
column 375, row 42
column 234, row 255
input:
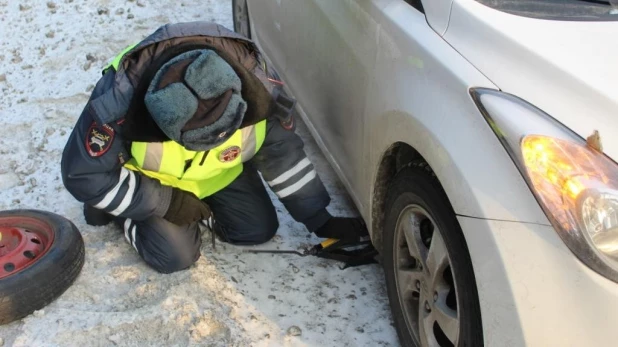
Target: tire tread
column 418, row 182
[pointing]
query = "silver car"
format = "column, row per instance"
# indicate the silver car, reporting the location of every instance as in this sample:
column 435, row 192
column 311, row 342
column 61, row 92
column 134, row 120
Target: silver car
column 477, row 139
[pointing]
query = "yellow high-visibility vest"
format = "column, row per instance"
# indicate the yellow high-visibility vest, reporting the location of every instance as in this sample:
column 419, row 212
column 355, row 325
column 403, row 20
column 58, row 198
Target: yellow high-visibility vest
column 202, row 173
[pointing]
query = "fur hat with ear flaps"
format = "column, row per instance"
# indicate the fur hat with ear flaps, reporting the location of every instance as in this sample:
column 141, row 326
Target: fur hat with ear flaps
column 195, row 99
column 120, row 95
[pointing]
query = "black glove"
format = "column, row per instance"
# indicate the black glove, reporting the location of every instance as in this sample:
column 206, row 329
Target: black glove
column 96, row 217
column 346, row 229
column 186, row 208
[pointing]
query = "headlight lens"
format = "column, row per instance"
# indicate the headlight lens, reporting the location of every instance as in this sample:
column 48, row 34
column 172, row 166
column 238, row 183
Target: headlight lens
column 576, row 186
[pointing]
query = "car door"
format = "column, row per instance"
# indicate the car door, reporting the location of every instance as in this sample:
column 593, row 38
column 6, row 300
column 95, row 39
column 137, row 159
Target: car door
column 326, row 51
column 330, row 49
column 265, row 22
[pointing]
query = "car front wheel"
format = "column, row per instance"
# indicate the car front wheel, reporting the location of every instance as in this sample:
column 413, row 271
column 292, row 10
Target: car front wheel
column 429, row 275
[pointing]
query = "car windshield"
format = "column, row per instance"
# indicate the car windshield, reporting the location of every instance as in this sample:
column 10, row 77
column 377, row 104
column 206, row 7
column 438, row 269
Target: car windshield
column 595, row 10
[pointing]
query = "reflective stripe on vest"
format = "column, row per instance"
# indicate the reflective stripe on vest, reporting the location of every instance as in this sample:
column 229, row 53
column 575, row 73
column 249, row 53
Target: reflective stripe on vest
column 202, row 173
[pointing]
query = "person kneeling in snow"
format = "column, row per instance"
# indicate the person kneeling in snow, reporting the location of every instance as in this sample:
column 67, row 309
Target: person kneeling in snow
column 175, row 133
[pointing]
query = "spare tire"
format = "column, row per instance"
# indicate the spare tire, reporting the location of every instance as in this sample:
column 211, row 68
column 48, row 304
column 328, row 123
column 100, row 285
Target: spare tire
column 41, row 254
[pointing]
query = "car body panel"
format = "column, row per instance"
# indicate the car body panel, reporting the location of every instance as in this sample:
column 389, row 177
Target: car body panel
column 331, row 81
column 566, row 68
column 438, row 13
column 440, row 121
column 265, row 23
column 369, row 74
column 332, row 47
column 528, row 300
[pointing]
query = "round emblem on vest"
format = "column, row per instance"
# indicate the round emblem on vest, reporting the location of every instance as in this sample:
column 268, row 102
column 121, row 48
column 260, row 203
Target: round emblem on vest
column 229, row 154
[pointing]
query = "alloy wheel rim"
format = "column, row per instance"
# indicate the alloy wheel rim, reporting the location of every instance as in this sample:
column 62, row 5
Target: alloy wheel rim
column 424, row 279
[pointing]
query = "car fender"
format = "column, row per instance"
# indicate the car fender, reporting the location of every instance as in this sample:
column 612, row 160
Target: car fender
column 474, row 169
column 438, row 14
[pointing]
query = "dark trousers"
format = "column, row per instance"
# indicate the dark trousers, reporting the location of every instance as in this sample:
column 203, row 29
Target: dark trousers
column 244, row 215
column 243, row 211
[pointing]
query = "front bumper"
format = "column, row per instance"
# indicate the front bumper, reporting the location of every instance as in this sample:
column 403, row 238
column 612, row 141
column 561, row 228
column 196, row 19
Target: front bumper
column 533, row 291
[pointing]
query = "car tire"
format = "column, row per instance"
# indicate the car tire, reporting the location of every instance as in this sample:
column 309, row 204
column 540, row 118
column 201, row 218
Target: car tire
column 240, row 14
column 440, row 284
column 41, row 255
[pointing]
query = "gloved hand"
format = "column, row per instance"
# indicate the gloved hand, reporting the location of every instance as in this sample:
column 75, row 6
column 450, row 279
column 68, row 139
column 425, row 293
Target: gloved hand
column 186, row 208
column 96, row 217
column 346, row 229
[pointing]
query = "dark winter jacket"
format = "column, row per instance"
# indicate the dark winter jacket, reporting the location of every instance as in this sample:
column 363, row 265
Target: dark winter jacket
column 115, row 115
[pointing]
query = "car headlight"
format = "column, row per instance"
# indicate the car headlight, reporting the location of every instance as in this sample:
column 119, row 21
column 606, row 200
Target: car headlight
column 576, row 185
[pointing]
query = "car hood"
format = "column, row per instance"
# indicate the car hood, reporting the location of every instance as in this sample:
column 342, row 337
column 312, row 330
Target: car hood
column 569, row 69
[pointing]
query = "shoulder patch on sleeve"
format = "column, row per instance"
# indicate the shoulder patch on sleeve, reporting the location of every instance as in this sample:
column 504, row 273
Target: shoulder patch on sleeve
column 99, row 139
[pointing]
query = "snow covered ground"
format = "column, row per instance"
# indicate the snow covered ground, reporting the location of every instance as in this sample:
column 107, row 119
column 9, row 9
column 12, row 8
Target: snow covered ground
column 51, row 55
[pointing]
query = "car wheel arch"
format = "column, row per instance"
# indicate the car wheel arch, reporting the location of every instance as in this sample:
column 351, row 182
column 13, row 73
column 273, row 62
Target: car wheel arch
column 396, row 157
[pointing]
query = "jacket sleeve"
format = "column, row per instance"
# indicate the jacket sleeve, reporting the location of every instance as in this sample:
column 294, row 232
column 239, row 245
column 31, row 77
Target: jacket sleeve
column 93, row 171
column 291, row 175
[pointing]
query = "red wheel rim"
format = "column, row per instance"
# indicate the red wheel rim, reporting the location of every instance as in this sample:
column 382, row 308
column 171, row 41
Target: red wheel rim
column 23, row 241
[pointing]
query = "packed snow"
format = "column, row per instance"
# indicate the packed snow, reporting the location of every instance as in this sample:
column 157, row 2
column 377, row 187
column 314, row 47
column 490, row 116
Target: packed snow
column 51, row 56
